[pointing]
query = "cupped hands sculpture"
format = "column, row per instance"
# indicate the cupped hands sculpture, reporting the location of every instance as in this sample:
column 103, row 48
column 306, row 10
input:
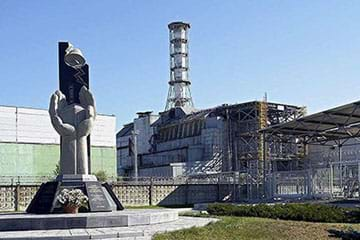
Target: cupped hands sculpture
column 74, row 123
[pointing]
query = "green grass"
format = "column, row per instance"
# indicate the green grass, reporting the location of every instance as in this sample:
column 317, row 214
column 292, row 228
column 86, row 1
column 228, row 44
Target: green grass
column 238, row 228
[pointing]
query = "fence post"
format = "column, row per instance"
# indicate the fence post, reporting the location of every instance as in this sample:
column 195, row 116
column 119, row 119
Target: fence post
column 331, row 180
column 17, row 196
column 218, row 188
column 186, row 192
column 151, row 192
column 234, row 187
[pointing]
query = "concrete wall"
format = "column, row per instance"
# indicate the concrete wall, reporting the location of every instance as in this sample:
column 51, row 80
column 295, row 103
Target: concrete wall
column 179, row 169
column 197, row 143
column 212, row 142
column 145, row 131
column 136, row 194
column 164, row 171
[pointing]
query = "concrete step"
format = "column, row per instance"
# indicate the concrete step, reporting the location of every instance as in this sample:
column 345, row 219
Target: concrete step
column 139, row 232
column 19, row 221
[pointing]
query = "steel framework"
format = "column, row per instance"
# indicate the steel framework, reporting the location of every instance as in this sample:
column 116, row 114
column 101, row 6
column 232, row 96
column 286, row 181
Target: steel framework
column 327, row 173
column 243, row 142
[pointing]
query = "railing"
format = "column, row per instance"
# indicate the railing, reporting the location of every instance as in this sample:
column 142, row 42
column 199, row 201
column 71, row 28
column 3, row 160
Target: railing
column 215, row 178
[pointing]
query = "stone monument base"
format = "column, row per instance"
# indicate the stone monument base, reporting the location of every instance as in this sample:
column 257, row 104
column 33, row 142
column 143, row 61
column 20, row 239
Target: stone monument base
column 101, row 197
column 126, row 218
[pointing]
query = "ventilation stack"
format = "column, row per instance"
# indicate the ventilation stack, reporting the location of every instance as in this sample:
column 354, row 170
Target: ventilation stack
column 179, row 94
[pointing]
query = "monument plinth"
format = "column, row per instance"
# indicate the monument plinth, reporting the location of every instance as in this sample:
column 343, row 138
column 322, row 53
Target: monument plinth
column 72, row 113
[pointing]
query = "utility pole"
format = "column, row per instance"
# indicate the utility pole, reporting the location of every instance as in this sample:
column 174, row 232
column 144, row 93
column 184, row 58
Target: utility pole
column 134, row 137
column 340, row 166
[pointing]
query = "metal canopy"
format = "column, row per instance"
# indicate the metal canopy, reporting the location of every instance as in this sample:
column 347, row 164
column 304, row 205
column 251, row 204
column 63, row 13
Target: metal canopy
column 330, row 125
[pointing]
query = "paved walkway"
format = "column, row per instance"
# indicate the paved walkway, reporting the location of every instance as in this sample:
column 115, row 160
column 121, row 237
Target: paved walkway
column 144, row 232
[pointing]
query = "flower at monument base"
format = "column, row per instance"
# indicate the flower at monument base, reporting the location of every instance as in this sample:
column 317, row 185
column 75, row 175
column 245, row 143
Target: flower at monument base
column 74, row 198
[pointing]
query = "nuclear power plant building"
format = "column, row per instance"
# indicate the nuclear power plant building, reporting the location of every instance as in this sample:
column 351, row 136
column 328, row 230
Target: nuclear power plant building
column 184, row 140
column 218, row 139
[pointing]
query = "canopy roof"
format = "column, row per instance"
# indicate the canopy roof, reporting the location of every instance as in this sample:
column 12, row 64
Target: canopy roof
column 333, row 124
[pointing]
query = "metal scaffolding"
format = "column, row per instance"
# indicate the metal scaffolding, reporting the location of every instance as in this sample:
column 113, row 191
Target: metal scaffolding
column 325, row 163
column 243, row 142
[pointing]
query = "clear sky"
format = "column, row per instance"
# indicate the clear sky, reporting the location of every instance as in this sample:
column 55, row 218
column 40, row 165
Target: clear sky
column 299, row 52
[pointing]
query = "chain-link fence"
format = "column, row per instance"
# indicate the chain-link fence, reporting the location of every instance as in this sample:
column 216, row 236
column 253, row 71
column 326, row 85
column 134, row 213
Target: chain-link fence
column 339, row 180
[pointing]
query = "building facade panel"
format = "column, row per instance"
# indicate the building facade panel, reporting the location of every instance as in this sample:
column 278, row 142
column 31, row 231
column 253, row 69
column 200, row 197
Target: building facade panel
column 7, row 124
column 20, row 159
column 34, row 126
column 29, row 146
column 104, row 131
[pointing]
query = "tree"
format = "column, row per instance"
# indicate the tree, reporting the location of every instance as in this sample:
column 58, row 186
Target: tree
column 56, row 171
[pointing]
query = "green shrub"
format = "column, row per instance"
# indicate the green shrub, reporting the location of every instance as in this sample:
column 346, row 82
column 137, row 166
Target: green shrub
column 349, row 234
column 293, row 211
column 101, row 176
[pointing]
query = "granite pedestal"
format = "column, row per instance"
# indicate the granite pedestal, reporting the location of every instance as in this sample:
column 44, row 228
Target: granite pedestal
column 101, row 197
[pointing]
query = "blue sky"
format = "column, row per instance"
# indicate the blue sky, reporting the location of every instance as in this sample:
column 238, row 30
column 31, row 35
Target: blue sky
column 299, row 52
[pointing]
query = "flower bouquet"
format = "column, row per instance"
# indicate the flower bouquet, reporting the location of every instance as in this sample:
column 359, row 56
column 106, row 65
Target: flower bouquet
column 72, row 200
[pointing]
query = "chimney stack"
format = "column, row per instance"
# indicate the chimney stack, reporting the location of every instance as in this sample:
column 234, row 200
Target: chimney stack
column 179, row 94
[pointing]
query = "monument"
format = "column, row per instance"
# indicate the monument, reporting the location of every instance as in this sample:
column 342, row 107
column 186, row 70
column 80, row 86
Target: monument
column 72, row 112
